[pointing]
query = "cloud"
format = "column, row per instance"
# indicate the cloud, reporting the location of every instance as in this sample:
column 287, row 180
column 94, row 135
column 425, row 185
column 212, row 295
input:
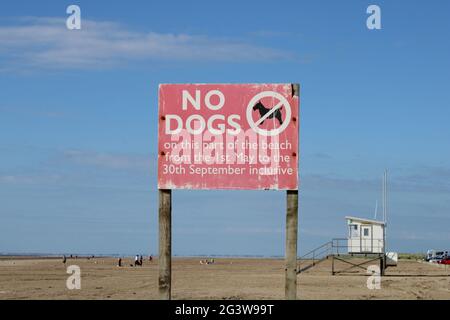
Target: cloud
column 420, row 179
column 320, row 181
column 110, row 160
column 427, row 178
column 251, row 230
column 27, row 179
column 271, row 34
column 421, row 235
column 322, row 156
column 28, row 111
column 47, row 43
column 85, row 170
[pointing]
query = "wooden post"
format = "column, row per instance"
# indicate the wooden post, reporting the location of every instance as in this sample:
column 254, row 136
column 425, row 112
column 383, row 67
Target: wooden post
column 382, row 264
column 332, row 265
column 165, row 244
column 291, row 245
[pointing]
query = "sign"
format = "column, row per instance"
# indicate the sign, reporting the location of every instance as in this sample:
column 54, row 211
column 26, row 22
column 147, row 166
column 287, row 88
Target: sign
column 228, row 136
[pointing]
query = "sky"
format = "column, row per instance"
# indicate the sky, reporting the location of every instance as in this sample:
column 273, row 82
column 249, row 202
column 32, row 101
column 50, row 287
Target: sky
column 78, row 121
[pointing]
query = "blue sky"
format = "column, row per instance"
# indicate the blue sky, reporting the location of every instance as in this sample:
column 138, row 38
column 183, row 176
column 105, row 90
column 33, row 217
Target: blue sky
column 78, row 114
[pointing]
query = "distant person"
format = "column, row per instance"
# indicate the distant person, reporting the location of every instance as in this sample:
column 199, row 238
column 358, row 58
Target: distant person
column 119, row 262
column 141, row 260
column 64, row 259
column 150, row 258
column 136, row 260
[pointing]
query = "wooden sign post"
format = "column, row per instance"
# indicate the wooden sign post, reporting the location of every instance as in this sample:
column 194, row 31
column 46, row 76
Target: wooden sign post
column 165, row 244
column 291, row 244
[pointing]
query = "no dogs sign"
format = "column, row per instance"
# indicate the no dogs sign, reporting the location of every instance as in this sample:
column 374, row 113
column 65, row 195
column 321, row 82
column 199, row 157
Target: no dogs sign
column 228, row 136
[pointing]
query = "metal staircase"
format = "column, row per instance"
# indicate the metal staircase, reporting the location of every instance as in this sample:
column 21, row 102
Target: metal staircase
column 319, row 254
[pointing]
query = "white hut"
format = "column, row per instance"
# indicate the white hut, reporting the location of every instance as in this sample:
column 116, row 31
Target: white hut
column 365, row 235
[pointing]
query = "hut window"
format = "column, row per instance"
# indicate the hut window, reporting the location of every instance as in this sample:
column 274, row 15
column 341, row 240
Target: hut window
column 354, row 231
column 366, row 232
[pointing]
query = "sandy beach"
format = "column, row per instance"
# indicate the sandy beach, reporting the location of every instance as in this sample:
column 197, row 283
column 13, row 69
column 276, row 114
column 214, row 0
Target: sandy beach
column 38, row 278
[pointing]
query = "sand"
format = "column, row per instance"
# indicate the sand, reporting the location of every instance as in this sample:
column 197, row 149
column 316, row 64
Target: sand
column 226, row 279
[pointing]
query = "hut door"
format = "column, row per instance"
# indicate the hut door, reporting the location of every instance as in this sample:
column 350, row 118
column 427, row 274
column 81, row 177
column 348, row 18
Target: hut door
column 366, row 238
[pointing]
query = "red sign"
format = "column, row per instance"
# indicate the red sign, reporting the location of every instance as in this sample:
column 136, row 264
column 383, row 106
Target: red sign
column 228, row 136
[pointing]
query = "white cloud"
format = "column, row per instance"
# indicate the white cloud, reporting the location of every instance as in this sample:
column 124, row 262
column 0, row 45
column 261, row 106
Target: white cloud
column 109, row 160
column 252, row 230
column 34, row 112
column 422, row 235
column 47, row 43
column 426, row 180
column 26, row 179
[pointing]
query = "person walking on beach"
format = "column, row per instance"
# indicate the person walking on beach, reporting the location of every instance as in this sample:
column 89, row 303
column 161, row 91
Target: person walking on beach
column 64, row 259
column 136, row 260
column 141, row 259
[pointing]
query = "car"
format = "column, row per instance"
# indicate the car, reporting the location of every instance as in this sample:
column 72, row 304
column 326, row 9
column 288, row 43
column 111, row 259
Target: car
column 445, row 261
column 430, row 254
column 435, row 260
column 435, row 256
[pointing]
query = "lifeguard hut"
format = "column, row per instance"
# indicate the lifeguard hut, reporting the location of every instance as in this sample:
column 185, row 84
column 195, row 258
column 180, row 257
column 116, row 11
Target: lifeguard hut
column 365, row 244
column 365, row 236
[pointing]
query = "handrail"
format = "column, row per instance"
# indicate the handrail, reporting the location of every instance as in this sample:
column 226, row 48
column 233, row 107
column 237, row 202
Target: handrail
column 318, row 254
column 321, row 253
column 312, row 251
